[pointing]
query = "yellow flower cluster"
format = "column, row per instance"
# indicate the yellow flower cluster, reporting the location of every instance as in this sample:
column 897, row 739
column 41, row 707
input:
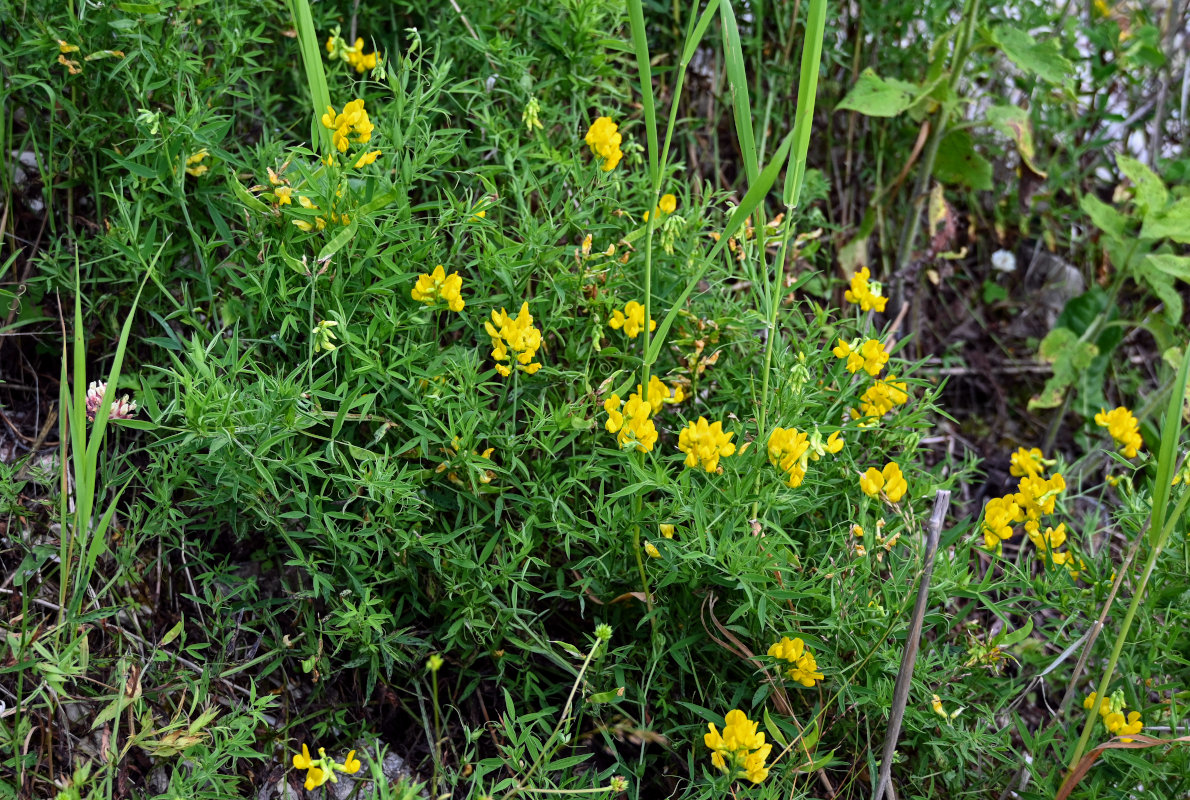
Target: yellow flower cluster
column 353, row 119
column 633, row 424
column 1034, row 498
column 865, row 292
column 884, row 545
column 516, row 334
column 631, row 319
column 740, row 751
column 352, row 54
column 660, row 394
column 890, row 480
column 704, row 444
column 788, row 453
column 870, row 356
column 439, row 287
column 604, row 139
column 319, row 223
column 882, row 397
column 1123, row 427
column 322, row 769
column 805, row 668
column 1111, row 711
column 194, row 165
column 1027, row 462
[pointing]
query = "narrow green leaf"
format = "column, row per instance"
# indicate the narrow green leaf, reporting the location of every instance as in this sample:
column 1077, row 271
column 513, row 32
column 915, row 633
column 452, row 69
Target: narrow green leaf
column 807, row 91
column 339, row 240
column 173, row 632
column 644, row 72
column 243, row 195
column 695, row 37
column 737, row 79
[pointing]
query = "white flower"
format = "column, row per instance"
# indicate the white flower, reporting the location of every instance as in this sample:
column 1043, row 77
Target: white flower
column 1004, row 261
column 122, row 407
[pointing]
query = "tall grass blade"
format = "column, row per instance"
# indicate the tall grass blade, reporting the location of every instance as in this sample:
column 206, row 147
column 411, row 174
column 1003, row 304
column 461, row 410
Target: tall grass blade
column 644, row 71
column 806, row 92
column 320, row 95
column 737, row 79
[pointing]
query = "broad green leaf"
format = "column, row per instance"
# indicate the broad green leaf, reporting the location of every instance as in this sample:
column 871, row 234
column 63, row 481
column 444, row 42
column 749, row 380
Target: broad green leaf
column 774, row 732
column 1062, row 348
column 1163, row 286
column 874, row 96
column 1014, row 122
column 1006, row 639
column 958, row 163
column 1042, row 59
column 1174, row 266
column 1172, row 223
column 1151, row 195
column 1104, row 217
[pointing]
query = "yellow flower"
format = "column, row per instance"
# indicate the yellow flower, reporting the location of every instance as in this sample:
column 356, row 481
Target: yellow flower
column 787, row 451
column 434, row 662
column 805, row 668
column 633, row 425
column 322, row 769
column 704, row 444
column 890, row 480
column 631, row 319
column 516, row 334
column 1027, row 462
column 366, row 159
column 1116, row 723
column 604, row 139
column 1123, row 427
column 1036, row 497
column 193, row 163
column 870, row 356
column 652, row 550
column 864, row 293
column 351, row 764
column 1104, row 704
column 881, row 397
column 667, row 530
column 660, row 394
column 66, row 47
column 999, row 515
column 936, row 704
column 739, row 751
column 668, row 203
column 438, row 286
column 353, row 119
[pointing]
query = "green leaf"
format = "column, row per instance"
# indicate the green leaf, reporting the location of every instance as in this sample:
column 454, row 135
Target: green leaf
column 1174, row 266
column 1103, row 216
column 958, row 163
column 1014, row 122
column 807, row 91
column 1172, row 223
column 340, row 240
column 1069, row 355
column 737, row 79
column 173, row 633
column 874, row 96
column 1006, row 639
column 1151, row 195
column 774, row 732
column 1163, row 286
column 610, row 696
column 243, row 195
column 1042, row 59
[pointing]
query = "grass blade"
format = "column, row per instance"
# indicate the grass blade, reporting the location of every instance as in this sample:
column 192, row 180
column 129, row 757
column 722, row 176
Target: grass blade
column 806, row 92
column 320, row 95
column 644, row 71
column 737, row 78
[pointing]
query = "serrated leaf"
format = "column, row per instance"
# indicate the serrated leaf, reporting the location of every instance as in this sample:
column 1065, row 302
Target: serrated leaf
column 1172, row 223
column 1042, row 59
column 958, row 162
column 1014, row 122
column 874, row 96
